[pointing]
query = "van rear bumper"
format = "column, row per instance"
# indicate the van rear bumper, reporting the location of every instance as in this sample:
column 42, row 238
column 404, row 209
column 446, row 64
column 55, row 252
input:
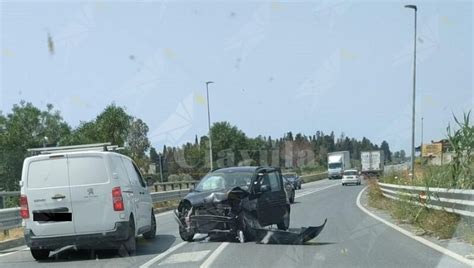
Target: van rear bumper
column 106, row 240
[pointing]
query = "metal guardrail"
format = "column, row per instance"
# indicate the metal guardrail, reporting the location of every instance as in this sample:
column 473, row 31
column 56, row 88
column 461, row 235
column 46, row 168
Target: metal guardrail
column 456, row 201
column 9, row 218
column 168, row 195
column 313, row 177
column 167, row 186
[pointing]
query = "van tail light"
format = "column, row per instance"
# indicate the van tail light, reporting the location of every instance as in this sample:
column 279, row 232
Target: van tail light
column 117, row 199
column 24, row 211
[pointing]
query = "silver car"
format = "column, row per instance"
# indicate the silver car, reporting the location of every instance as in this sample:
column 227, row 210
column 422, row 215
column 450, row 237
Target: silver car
column 351, row 176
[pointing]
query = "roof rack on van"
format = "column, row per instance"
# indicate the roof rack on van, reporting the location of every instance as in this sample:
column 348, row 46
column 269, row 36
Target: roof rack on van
column 74, row 148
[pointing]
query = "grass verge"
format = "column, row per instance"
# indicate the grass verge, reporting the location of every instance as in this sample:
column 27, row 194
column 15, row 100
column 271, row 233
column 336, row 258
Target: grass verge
column 314, row 177
column 11, row 234
column 440, row 224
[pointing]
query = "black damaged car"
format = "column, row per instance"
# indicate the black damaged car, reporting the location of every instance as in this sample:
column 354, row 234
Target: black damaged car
column 235, row 202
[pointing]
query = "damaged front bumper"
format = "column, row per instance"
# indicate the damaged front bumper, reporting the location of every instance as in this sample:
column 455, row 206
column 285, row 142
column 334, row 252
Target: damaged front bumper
column 261, row 235
column 207, row 223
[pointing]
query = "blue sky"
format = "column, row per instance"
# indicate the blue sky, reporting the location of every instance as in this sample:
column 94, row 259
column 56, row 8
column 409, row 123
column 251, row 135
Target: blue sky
column 344, row 66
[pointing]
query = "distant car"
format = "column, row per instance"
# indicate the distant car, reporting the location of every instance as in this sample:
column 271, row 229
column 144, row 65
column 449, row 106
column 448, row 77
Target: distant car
column 290, row 190
column 351, row 176
column 294, row 179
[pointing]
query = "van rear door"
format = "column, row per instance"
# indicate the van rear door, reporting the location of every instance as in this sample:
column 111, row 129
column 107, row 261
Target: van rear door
column 49, row 198
column 91, row 193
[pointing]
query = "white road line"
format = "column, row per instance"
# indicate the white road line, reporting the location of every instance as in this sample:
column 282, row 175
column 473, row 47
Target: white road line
column 16, row 250
column 208, row 262
column 425, row 242
column 162, row 255
column 316, row 190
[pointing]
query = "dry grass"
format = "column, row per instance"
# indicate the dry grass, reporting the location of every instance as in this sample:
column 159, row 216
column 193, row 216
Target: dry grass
column 441, row 224
column 12, row 234
column 375, row 197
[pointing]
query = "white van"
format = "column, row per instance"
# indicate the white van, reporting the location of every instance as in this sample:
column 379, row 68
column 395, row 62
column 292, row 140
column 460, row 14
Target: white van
column 86, row 197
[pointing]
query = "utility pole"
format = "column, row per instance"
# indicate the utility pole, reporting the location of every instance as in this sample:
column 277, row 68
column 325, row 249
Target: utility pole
column 414, row 95
column 209, row 123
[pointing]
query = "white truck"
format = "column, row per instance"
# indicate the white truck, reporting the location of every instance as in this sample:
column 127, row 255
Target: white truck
column 337, row 163
column 372, row 162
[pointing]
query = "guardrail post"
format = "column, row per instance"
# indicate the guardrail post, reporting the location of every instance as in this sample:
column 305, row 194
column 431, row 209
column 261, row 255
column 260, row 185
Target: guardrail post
column 156, row 188
column 2, row 205
column 180, row 186
column 6, row 233
column 187, row 185
column 172, row 186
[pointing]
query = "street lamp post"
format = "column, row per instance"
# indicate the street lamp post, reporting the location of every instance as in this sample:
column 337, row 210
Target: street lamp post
column 414, row 95
column 209, row 122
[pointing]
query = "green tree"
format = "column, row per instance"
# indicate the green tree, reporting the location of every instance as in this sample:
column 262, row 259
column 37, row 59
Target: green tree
column 26, row 127
column 386, row 150
column 112, row 125
column 227, row 137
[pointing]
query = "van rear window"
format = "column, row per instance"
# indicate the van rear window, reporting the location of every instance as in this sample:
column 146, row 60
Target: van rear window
column 87, row 170
column 48, row 173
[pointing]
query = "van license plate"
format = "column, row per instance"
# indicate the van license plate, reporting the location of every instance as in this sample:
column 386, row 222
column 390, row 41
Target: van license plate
column 52, row 217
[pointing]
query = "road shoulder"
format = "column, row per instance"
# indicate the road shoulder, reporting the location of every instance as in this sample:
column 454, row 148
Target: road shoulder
column 451, row 247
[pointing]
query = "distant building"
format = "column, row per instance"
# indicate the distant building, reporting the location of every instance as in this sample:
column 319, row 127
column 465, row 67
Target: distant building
column 437, row 152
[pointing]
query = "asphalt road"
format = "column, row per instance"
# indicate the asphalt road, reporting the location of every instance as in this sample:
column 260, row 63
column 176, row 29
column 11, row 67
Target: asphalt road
column 351, row 238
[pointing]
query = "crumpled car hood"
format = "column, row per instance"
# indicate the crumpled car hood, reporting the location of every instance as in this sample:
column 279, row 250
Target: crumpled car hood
column 209, row 197
column 198, row 198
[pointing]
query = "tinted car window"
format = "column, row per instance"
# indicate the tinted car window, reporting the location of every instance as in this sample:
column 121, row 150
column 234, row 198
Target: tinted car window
column 274, row 181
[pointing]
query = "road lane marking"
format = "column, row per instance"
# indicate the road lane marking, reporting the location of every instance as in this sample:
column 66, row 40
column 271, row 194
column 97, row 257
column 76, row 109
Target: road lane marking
column 15, row 250
column 162, row 255
column 195, row 256
column 208, row 262
column 316, row 190
column 425, row 242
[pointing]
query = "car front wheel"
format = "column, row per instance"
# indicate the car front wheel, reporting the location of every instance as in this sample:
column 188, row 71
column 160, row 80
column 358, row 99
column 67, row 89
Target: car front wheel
column 186, row 235
column 40, row 254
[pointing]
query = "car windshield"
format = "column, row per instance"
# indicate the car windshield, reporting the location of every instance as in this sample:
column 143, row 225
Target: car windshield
column 350, row 173
column 334, row 165
column 224, row 180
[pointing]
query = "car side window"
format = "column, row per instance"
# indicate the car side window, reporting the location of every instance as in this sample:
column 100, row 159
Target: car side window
column 139, row 176
column 119, row 168
column 132, row 174
column 266, row 181
column 274, row 181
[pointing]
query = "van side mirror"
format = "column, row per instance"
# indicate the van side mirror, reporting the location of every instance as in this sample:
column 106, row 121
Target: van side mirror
column 149, row 181
column 191, row 188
